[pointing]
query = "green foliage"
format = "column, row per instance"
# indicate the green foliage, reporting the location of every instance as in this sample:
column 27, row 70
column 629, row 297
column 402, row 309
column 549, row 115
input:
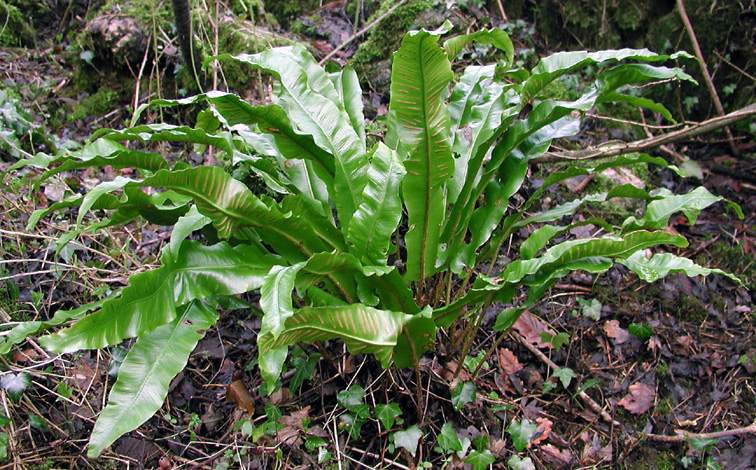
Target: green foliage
column 365, row 245
column 521, row 432
column 16, row 125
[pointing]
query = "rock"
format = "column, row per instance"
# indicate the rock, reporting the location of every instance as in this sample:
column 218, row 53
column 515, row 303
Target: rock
column 118, row 38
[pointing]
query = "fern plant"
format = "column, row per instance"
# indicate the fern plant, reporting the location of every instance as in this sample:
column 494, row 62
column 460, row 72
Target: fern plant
column 379, row 246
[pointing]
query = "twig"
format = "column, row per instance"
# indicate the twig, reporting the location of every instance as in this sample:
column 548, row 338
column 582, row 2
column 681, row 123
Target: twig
column 361, row 32
column 501, row 10
column 723, row 59
column 646, row 144
column 682, row 435
column 590, row 402
column 705, row 71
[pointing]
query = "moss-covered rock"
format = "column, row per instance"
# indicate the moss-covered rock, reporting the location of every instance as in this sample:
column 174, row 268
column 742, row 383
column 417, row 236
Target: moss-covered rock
column 19, row 18
column 286, row 12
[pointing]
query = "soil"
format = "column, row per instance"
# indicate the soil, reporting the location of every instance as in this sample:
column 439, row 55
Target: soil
column 668, row 368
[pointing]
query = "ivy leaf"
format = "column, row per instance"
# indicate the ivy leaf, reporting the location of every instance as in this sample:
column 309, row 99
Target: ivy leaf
column 557, row 341
column 15, row 384
column 448, row 439
column 351, row 398
column 304, row 366
column 521, row 432
column 700, row 444
column 517, row 463
column 387, row 414
column 640, row 330
column 480, row 460
column 565, row 375
column 408, row 439
column 4, row 437
column 462, row 394
column 591, row 308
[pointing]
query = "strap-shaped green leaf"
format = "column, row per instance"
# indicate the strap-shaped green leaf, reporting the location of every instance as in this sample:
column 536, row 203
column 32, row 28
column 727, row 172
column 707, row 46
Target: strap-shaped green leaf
column 659, row 211
column 231, row 206
column 378, row 216
column 152, row 297
column 170, row 133
column 543, row 235
column 291, row 143
column 313, row 106
column 419, row 131
column 566, row 253
column 350, row 95
column 662, row 264
column 364, row 330
column 21, row 331
column 146, row 373
column 556, row 65
column 494, row 36
column 107, row 152
column 275, row 298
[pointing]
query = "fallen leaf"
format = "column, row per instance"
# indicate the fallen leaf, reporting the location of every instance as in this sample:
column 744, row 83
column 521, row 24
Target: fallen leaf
column 293, row 429
column 508, row 362
column 84, row 376
column 654, row 344
column 558, row 459
column 296, row 418
column 27, row 355
column 530, row 327
column 237, row 392
column 640, row 398
column 542, row 432
column 617, row 333
column 450, row 369
column 593, row 452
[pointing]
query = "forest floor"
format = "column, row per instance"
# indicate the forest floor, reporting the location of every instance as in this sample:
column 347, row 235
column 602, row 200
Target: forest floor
column 659, row 376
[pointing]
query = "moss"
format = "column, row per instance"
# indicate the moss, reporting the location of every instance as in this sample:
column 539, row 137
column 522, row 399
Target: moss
column 18, row 30
column 287, row 11
column 732, row 259
column 386, row 37
column 238, row 37
column 97, row 104
column 650, row 458
column 661, row 369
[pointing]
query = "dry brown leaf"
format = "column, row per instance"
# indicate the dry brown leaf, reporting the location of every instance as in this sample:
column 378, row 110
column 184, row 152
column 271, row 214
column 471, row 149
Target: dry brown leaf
column 654, row 344
column 84, row 376
column 27, row 355
column 556, row 458
column 531, row 328
column 508, row 362
column 293, row 429
column 542, row 431
column 640, row 398
column 593, row 452
column 450, row 368
column 296, row 418
column 617, row 333
column 237, row 392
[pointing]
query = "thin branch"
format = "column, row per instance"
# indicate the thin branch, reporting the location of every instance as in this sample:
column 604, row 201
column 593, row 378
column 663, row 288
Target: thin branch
column 361, row 32
column 682, row 435
column 705, row 71
column 653, row 142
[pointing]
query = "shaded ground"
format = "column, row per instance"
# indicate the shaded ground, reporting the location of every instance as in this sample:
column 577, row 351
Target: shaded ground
column 692, row 371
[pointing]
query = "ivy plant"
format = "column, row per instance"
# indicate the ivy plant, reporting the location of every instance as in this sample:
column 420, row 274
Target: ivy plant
column 378, row 247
